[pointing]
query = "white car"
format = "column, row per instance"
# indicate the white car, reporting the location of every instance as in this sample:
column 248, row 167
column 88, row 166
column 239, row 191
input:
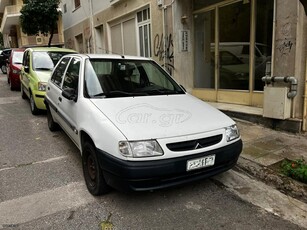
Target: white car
column 136, row 128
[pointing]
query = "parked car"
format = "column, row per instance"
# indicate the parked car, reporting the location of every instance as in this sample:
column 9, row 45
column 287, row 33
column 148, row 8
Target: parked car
column 37, row 65
column 136, row 128
column 4, row 55
column 14, row 67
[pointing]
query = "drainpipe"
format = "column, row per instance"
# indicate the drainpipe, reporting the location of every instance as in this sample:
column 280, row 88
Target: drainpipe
column 292, row 80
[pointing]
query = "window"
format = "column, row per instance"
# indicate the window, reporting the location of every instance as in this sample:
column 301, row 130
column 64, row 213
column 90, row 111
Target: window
column 77, row 3
column 72, row 75
column 143, row 19
column 26, row 59
column 57, row 75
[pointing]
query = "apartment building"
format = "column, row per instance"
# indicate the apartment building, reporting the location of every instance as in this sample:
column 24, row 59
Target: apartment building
column 13, row 36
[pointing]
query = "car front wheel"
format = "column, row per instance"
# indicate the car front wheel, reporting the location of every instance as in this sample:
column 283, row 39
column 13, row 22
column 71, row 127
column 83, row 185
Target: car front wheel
column 34, row 109
column 52, row 125
column 23, row 94
column 93, row 174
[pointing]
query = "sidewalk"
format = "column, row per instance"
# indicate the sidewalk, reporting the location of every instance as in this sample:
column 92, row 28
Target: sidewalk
column 263, row 147
column 266, row 146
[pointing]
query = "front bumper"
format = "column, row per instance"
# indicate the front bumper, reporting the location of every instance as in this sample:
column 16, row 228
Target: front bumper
column 15, row 80
column 39, row 99
column 151, row 175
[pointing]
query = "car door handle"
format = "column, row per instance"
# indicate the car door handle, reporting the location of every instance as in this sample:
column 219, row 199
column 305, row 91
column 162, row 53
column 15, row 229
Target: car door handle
column 60, row 99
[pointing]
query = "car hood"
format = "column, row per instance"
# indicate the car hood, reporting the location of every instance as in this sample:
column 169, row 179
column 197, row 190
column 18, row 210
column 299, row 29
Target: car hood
column 16, row 66
column 155, row 117
column 43, row 76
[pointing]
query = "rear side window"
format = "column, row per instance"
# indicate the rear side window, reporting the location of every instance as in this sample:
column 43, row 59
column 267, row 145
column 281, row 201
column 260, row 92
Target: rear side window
column 58, row 73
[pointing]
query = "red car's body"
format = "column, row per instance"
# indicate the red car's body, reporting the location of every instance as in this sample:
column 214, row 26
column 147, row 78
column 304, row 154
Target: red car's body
column 13, row 68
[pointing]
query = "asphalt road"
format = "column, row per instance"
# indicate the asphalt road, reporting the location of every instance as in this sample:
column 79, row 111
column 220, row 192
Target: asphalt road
column 42, row 187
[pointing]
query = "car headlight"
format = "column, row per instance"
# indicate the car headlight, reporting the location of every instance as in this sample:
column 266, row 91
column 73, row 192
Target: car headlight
column 15, row 71
column 42, row 86
column 232, row 133
column 148, row 148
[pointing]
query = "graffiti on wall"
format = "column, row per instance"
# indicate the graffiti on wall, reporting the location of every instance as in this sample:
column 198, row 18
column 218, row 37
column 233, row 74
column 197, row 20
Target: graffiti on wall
column 164, row 50
column 285, row 45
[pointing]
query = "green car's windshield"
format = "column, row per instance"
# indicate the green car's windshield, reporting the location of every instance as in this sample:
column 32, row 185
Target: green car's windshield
column 124, row 78
column 46, row 60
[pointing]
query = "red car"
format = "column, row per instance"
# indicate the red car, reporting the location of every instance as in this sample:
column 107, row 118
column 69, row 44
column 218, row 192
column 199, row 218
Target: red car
column 14, row 67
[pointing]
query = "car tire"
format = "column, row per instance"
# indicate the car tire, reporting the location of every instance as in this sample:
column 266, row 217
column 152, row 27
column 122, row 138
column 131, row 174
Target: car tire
column 3, row 69
column 11, row 86
column 23, row 94
column 52, row 125
column 93, row 174
column 34, row 109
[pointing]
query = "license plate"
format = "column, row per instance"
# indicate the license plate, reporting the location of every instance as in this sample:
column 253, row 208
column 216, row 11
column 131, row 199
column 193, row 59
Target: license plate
column 200, row 162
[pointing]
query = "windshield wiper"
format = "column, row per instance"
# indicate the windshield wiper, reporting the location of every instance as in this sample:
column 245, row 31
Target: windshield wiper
column 118, row 93
column 160, row 91
column 42, row 68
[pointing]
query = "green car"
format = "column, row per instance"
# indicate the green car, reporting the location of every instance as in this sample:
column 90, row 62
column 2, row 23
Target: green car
column 37, row 65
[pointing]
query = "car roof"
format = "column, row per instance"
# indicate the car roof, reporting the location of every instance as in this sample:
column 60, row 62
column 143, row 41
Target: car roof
column 18, row 49
column 112, row 56
column 54, row 49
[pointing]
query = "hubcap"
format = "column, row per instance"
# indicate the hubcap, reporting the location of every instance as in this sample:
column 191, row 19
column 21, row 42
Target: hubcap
column 91, row 168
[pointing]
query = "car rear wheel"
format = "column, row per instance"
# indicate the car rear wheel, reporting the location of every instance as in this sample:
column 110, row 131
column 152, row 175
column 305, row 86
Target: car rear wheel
column 93, row 174
column 34, row 109
column 52, row 125
column 23, row 94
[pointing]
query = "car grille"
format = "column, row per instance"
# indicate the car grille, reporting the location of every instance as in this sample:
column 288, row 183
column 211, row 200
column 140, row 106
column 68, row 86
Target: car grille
column 194, row 144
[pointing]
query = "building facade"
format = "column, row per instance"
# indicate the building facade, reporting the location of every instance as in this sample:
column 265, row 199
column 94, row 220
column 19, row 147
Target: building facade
column 219, row 50
column 13, row 37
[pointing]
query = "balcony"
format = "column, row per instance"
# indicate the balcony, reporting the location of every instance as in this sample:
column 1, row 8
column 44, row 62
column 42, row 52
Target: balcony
column 10, row 18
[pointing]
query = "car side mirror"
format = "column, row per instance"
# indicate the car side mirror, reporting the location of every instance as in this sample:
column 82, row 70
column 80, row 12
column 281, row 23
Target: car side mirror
column 27, row 69
column 70, row 94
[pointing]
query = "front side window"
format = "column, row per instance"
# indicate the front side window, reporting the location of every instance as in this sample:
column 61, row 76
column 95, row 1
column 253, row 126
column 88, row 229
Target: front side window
column 26, row 59
column 58, row 73
column 71, row 78
column 122, row 78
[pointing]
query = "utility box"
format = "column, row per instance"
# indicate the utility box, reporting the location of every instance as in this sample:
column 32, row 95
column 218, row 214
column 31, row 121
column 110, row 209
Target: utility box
column 276, row 103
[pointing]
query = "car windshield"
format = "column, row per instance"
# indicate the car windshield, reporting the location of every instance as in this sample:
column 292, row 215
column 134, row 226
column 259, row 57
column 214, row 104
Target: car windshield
column 124, row 78
column 17, row 57
column 46, row 60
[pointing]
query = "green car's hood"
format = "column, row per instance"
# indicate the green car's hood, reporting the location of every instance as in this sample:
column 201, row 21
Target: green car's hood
column 43, row 75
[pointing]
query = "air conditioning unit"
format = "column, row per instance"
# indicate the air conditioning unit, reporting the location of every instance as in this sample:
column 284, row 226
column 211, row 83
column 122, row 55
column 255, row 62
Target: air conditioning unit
column 276, row 103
